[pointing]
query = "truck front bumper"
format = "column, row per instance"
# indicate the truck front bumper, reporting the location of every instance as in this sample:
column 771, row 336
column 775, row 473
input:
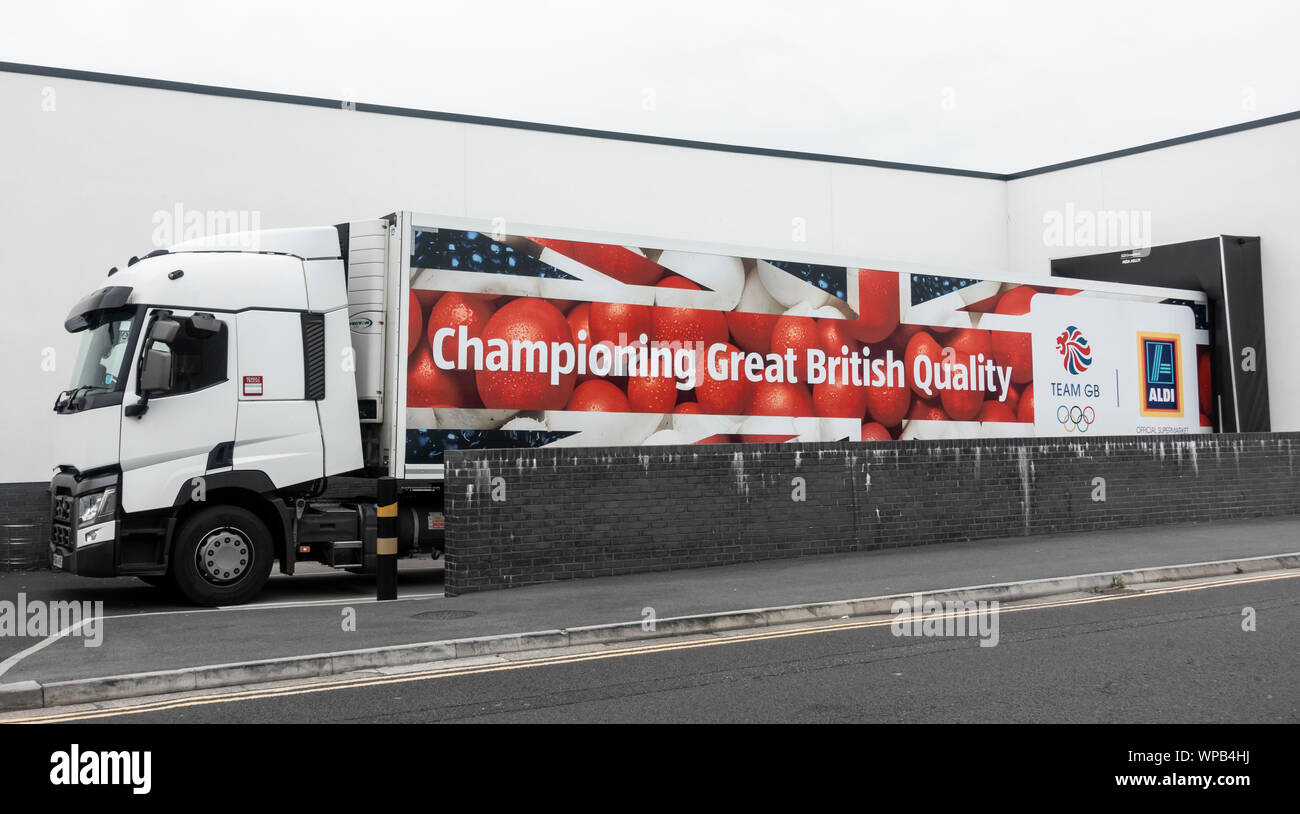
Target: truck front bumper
column 89, row 551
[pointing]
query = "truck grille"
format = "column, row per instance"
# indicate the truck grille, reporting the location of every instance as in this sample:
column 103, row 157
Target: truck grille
column 61, row 528
column 62, row 509
column 61, row 535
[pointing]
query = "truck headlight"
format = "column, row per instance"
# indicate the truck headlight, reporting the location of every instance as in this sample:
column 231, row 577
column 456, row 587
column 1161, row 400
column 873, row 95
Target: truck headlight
column 96, row 507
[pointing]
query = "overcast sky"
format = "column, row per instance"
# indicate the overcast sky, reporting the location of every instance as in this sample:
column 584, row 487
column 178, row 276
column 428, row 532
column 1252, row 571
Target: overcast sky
column 997, row 86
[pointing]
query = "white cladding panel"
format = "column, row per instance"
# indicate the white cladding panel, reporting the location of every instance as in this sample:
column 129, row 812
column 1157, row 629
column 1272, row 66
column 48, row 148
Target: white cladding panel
column 367, row 270
column 223, row 281
column 280, row 438
column 307, row 242
column 326, row 288
column 115, row 171
column 270, row 356
column 1245, row 183
column 338, row 410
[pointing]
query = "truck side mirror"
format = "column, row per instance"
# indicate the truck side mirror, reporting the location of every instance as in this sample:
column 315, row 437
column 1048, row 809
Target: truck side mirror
column 164, row 331
column 156, row 370
column 204, row 325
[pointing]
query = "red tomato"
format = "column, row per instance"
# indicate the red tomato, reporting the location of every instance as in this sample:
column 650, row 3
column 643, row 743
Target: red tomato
column 752, row 332
column 926, row 410
column 722, row 397
column 996, row 411
column 888, row 405
column 871, row 431
column 688, row 408
column 835, row 400
column 799, row 334
column 533, row 320
column 1016, row 301
column 922, row 344
column 598, row 396
column 903, row 334
column 834, row 336
column 687, row 325
column 782, row 399
column 429, row 386
column 651, row 394
column 877, row 305
column 970, row 342
column 1025, row 410
column 455, row 309
column 612, row 320
column 579, row 320
column 415, row 324
column 1013, row 397
column 962, row 405
column 1014, row 349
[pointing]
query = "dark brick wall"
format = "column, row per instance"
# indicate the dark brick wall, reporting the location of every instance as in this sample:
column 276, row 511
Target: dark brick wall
column 23, row 503
column 573, row 513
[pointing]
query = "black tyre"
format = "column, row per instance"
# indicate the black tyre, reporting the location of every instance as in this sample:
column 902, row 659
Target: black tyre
column 222, row 556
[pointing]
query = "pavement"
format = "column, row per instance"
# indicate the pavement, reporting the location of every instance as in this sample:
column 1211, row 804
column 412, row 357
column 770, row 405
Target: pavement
column 1171, row 654
column 146, row 630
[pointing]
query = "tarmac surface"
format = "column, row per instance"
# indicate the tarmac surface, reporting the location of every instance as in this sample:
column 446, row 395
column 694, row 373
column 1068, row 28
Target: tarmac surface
column 146, row 629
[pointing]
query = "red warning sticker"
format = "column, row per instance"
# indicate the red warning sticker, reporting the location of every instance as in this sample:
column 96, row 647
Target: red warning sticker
column 252, row 385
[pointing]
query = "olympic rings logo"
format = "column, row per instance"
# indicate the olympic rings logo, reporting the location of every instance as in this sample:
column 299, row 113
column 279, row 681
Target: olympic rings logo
column 1076, row 417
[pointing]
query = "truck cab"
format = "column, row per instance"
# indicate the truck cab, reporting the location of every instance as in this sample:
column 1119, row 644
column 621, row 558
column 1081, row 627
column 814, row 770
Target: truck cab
column 213, row 393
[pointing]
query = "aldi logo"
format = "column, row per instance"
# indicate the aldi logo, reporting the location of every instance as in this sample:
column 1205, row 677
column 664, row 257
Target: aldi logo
column 1162, row 392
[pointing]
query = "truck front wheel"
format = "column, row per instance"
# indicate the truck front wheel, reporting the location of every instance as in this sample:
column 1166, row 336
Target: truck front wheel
column 223, row 556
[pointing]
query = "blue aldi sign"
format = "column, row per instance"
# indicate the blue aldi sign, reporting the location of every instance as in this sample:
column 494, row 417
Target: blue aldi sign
column 1162, row 392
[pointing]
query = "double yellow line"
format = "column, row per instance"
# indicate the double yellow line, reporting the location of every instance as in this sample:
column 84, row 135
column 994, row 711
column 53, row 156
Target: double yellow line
column 548, row 661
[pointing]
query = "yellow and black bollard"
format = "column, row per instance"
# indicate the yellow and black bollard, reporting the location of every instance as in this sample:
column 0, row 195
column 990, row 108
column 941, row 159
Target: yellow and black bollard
column 386, row 542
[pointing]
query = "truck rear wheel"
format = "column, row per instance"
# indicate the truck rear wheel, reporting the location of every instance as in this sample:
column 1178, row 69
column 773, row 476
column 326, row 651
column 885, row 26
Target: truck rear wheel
column 223, row 556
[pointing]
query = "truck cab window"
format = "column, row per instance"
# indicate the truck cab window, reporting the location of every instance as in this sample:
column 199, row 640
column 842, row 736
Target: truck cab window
column 103, row 349
column 198, row 358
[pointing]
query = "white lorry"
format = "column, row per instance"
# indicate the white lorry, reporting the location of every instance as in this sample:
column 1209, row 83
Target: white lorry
column 222, row 382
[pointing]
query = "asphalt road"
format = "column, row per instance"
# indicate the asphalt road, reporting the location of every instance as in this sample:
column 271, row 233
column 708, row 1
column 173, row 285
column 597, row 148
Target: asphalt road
column 129, row 595
column 1175, row 657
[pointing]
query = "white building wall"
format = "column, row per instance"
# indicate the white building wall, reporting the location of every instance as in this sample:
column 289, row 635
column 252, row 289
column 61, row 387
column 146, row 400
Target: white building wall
column 1245, row 183
column 88, row 167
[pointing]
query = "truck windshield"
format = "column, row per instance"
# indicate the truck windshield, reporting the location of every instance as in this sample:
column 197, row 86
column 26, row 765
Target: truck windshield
column 101, row 361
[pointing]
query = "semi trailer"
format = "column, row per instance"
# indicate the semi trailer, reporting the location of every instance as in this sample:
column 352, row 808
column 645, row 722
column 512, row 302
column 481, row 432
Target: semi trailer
column 236, row 397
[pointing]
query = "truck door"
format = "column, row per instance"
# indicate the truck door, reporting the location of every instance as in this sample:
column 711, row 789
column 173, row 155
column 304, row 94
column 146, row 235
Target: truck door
column 171, row 442
column 279, row 432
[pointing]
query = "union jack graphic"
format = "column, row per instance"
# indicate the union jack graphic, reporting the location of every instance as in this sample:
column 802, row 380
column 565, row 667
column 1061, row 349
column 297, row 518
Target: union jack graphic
column 1072, row 345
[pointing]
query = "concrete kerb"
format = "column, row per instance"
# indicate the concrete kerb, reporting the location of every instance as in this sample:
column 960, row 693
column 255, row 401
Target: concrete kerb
column 32, row 694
